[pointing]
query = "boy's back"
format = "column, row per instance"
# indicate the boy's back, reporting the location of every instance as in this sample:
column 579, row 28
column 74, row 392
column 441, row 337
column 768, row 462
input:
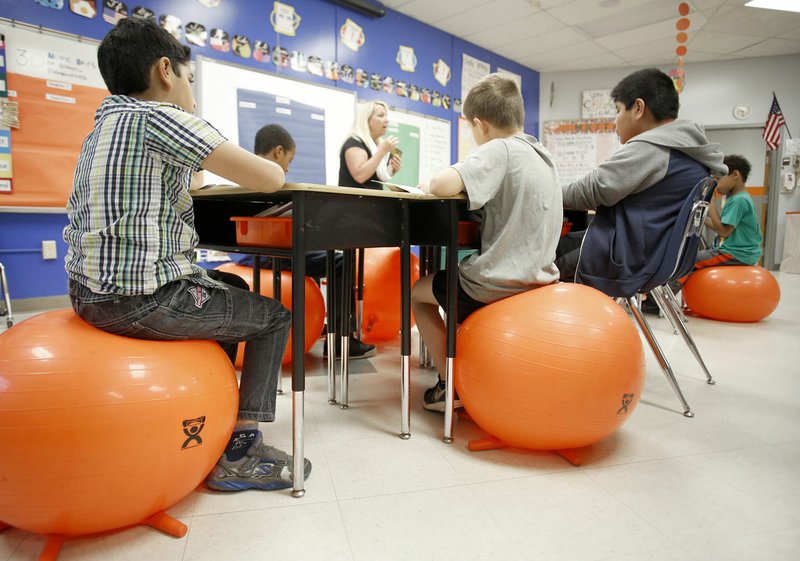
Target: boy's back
column 131, row 220
column 744, row 243
column 514, row 181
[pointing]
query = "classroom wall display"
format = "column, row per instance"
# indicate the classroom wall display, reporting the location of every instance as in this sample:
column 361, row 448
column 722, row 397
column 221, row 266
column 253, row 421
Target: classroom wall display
column 58, row 87
column 225, row 98
column 397, row 60
column 597, row 104
column 401, row 61
column 579, row 146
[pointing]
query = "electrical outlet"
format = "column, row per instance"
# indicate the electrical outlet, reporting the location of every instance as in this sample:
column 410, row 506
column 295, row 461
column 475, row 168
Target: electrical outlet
column 49, row 249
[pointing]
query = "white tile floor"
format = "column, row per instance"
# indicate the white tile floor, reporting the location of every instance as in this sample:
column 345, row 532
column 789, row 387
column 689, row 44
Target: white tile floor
column 722, row 486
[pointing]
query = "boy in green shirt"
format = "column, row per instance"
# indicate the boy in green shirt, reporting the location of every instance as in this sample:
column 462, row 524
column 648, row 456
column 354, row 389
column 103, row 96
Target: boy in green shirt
column 737, row 225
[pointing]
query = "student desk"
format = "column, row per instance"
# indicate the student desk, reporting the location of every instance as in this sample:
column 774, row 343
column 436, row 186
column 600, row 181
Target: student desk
column 327, row 218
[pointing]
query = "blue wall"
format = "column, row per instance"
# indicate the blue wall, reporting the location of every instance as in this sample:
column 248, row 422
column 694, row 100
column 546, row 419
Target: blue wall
column 318, row 34
column 30, row 276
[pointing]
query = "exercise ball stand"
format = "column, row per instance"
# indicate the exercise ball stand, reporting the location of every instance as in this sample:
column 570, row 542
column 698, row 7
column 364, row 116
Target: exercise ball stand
column 160, row 521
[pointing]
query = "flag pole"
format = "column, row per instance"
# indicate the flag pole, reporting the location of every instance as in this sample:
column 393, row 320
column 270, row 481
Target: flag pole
column 784, row 120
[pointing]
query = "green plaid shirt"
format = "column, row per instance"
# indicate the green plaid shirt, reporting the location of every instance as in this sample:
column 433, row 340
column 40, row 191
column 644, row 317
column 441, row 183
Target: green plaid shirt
column 131, row 219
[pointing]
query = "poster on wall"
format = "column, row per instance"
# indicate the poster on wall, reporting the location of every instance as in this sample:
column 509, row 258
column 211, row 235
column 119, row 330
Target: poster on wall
column 472, row 70
column 52, row 80
column 579, row 146
column 597, row 104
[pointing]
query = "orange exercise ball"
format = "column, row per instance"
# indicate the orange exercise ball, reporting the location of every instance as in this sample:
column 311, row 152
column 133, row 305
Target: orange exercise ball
column 732, row 293
column 554, row 368
column 99, row 431
column 381, row 320
column 315, row 305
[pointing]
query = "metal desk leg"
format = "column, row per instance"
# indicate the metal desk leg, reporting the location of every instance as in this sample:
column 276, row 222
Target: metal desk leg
column 330, row 336
column 347, row 293
column 298, row 339
column 276, row 294
column 360, row 293
column 405, row 344
column 452, row 318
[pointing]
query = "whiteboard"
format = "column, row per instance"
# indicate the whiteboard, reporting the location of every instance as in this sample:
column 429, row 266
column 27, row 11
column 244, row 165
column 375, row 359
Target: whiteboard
column 579, row 146
column 216, row 91
column 434, row 141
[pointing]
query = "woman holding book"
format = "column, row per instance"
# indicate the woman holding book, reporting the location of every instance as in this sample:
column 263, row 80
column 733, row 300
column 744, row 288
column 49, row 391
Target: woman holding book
column 366, row 156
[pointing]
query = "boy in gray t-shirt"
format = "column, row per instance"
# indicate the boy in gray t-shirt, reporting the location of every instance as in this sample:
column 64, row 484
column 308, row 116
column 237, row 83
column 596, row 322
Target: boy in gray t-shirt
column 512, row 179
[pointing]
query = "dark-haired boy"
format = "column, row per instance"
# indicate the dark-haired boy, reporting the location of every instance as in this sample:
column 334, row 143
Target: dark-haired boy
column 132, row 240
column 638, row 191
column 512, row 180
column 737, row 225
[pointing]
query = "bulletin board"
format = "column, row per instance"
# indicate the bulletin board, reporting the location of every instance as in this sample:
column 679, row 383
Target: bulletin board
column 58, row 87
column 579, row 146
column 217, row 91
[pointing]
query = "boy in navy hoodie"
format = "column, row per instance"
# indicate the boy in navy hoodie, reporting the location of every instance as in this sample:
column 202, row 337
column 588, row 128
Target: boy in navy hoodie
column 639, row 190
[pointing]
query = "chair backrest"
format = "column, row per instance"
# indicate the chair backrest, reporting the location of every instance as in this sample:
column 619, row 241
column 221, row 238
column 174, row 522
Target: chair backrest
column 684, row 239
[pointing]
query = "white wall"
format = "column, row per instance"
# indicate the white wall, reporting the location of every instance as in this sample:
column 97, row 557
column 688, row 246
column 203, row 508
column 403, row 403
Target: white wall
column 712, row 90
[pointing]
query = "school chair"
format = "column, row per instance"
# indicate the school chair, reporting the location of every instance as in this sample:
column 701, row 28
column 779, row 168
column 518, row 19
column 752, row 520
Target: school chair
column 678, row 261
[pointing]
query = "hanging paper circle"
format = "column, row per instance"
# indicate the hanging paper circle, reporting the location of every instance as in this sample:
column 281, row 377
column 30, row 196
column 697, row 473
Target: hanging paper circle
column 683, row 24
column 683, row 8
column 681, row 37
column 680, row 51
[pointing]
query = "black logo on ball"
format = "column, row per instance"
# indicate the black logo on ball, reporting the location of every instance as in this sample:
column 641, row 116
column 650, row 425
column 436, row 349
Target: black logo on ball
column 192, row 429
column 626, row 400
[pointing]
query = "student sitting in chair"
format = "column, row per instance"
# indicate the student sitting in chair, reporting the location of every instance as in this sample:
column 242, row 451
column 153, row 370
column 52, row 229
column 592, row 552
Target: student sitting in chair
column 639, row 190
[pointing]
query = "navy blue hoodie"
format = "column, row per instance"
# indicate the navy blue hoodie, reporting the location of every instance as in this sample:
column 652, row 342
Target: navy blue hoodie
column 637, row 194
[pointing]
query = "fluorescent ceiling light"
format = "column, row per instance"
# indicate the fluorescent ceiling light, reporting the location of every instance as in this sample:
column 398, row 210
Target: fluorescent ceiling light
column 785, row 5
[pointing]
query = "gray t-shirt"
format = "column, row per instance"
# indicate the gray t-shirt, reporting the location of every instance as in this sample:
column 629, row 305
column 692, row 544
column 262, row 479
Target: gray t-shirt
column 514, row 181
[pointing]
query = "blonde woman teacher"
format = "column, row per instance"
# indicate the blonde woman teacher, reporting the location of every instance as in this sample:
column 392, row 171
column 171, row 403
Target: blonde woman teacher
column 366, row 156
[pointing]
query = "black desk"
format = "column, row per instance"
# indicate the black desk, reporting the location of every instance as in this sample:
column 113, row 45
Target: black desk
column 326, row 218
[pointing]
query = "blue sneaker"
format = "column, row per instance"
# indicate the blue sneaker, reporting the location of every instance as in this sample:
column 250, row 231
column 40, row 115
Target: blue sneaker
column 263, row 467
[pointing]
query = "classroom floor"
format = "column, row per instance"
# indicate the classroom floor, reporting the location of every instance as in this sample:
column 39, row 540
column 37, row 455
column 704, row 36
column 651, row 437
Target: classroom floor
column 722, row 486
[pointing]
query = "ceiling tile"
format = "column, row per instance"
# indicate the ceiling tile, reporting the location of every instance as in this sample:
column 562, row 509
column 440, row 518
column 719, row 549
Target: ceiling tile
column 489, row 14
column 754, row 21
column 639, row 35
column 431, row 12
column 575, row 52
column 539, row 23
column 794, row 34
column 613, row 15
column 721, row 43
column 770, row 47
column 605, row 60
column 661, row 51
column 707, row 4
column 541, row 43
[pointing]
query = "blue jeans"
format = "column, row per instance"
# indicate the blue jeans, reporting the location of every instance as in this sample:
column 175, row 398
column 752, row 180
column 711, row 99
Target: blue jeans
column 183, row 309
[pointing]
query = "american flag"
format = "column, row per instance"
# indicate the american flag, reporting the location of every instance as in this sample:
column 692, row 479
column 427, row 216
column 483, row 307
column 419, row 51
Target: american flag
column 772, row 128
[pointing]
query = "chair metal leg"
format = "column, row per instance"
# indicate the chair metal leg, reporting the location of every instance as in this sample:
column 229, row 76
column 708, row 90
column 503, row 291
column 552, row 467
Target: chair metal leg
column 668, row 307
column 6, row 296
column 659, row 354
column 677, row 306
